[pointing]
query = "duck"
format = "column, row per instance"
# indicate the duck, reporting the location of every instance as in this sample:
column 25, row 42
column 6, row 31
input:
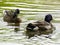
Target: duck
column 40, row 27
column 11, row 16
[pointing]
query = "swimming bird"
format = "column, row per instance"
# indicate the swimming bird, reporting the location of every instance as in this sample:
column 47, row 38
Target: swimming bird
column 11, row 16
column 40, row 27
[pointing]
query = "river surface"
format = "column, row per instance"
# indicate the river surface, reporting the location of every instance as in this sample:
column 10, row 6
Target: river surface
column 30, row 11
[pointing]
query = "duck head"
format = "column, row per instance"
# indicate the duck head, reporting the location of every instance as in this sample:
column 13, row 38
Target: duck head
column 16, row 13
column 31, row 27
column 48, row 18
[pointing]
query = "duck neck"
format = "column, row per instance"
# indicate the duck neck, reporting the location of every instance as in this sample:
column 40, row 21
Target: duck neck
column 48, row 21
column 15, row 15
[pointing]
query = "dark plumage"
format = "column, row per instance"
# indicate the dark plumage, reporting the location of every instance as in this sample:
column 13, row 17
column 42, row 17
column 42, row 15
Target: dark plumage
column 11, row 16
column 40, row 27
column 48, row 18
column 16, row 13
column 30, row 27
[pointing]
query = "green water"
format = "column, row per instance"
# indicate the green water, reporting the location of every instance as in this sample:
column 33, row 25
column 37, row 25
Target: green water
column 30, row 10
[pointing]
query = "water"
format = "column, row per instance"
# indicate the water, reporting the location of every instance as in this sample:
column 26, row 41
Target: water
column 30, row 11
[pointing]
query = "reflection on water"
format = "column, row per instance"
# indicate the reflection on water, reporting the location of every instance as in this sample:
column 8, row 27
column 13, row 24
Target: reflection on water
column 15, row 25
column 31, row 10
column 16, row 29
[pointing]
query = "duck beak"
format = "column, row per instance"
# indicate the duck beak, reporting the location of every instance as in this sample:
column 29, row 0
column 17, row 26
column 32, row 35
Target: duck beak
column 36, row 28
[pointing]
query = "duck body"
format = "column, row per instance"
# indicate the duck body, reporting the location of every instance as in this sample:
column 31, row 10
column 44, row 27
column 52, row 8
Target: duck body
column 11, row 16
column 40, row 28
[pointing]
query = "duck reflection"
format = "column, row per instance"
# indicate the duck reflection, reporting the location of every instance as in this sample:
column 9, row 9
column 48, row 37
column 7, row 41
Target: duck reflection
column 16, row 29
